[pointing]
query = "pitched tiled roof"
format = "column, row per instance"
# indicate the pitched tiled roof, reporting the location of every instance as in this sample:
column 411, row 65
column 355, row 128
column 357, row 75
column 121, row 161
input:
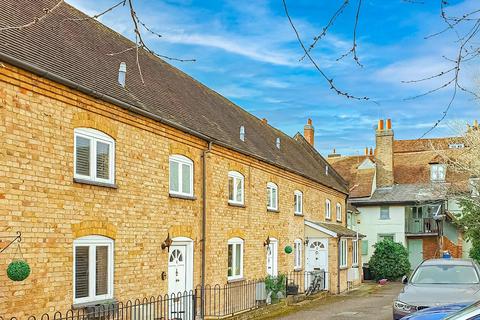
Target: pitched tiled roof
column 406, row 193
column 77, row 53
column 411, row 166
column 359, row 181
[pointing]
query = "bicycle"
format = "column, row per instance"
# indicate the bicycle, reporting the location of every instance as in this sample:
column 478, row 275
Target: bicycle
column 316, row 284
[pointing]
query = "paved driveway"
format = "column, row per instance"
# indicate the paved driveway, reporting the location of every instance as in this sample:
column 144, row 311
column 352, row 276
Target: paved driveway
column 369, row 302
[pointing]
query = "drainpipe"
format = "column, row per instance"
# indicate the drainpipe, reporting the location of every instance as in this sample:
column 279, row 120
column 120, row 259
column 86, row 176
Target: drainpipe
column 204, row 225
column 338, row 264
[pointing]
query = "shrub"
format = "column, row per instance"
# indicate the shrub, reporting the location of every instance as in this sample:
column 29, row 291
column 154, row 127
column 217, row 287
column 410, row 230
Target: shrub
column 475, row 251
column 389, row 261
column 275, row 285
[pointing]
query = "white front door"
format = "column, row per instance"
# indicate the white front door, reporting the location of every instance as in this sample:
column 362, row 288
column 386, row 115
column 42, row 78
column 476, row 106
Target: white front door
column 177, row 269
column 317, row 256
column 272, row 258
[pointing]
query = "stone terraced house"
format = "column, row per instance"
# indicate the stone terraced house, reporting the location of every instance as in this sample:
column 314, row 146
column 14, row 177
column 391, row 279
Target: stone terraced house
column 404, row 191
column 124, row 190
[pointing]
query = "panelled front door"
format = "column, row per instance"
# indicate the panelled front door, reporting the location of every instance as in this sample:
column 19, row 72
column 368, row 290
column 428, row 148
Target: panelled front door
column 415, row 252
column 272, row 258
column 177, row 269
column 317, row 256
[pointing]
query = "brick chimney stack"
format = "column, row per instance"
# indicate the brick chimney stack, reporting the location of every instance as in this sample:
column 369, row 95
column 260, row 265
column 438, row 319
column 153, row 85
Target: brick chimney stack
column 309, row 132
column 384, row 153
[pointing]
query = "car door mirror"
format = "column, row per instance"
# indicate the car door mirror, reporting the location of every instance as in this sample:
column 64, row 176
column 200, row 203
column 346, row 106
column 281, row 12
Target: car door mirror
column 404, row 279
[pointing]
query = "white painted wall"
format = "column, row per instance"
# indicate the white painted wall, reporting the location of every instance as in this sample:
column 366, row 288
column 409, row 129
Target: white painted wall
column 371, row 225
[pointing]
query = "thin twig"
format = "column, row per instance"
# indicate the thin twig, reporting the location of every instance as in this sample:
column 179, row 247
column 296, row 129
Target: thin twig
column 325, row 29
column 330, row 81
column 36, row 20
column 353, row 50
column 98, row 15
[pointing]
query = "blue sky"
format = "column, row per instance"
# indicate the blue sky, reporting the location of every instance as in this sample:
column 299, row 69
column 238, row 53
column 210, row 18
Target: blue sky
column 247, row 51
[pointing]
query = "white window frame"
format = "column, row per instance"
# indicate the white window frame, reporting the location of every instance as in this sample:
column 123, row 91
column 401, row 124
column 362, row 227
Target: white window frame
column 234, row 242
column 182, row 161
column 297, row 254
column 338, row 212
column 328, row 209
column 92, row 242
column 343, row 253
column 435, row 172
column 388, row 212
column 298, row 202
column 93, row 136
column 236, row 176
column 273, row 199
column 354, row 253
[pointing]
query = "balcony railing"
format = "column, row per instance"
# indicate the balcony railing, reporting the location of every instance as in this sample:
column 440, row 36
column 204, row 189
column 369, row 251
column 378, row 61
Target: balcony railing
column 421, row 226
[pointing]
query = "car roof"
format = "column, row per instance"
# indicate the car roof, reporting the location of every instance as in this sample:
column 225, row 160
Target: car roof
column 443, row 262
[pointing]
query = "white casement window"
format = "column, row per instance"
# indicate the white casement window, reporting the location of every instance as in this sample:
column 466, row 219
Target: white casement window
column 437, row 172
column 236, row 185
column 328, row 210
column 298, row 202
column 343, row 253
column 339, row 212
column 355, row 253
column 92, row 269
column 384, row 213
column 94, row 156
column 272, row 196
column 235, row 258
column 297, row 250
column 181, row 176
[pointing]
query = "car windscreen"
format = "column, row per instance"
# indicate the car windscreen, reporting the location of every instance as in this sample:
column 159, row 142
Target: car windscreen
column 445, row 274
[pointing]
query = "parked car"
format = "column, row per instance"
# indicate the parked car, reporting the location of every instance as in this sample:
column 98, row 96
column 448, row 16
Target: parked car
column 438, row 282
column 448, row 312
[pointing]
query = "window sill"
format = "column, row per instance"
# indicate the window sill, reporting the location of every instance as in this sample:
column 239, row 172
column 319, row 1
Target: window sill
column 297, row 269
column 238, row 205
column 298, row 214
column 273, row 210
column 95, row 183
column 235, row 280
column 94, row 303
column 181, row 196
column 343, row 268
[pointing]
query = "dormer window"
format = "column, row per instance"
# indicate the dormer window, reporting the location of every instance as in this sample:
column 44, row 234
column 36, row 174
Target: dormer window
column 242, row 133
column 437, row 172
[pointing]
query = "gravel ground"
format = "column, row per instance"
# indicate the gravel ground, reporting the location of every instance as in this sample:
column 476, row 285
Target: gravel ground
column 370, row 301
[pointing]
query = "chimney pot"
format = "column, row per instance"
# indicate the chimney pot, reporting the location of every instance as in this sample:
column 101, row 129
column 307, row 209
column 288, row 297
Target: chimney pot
column 475, row 124
column 389, row 124
column 380, row 125
column 366, row 151
column 371, row 151
column 264, row 121
column 309, row 132
column 122, row 73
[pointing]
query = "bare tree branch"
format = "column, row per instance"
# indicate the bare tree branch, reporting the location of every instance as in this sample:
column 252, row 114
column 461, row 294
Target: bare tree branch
column 36, row 20
column 302, row 45
column 353, row 50
column 325, row 29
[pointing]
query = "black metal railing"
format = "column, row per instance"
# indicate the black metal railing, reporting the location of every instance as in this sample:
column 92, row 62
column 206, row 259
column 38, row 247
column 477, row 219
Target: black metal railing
column 181, row 306
column 299, row 282
column 213, row 301
column 232, row 298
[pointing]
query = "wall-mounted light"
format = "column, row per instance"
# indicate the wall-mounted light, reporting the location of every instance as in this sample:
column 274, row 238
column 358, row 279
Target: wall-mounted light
column 266, row 242
column 167, row 243
column 306, row 242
